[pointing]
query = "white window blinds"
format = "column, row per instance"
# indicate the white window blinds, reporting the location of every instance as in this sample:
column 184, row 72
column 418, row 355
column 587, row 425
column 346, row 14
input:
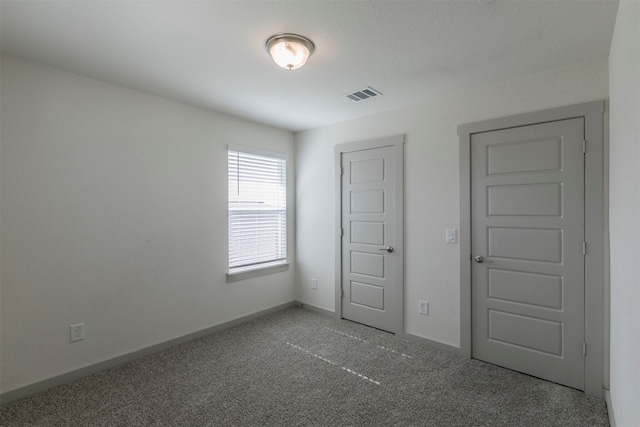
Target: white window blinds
column 257, row 209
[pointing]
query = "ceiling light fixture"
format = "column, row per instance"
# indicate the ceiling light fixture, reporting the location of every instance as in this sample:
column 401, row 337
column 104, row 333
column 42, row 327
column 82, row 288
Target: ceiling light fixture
column 289, row 51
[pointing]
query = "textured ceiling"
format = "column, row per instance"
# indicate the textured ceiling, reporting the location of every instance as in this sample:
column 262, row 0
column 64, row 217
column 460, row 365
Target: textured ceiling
column 211, row 53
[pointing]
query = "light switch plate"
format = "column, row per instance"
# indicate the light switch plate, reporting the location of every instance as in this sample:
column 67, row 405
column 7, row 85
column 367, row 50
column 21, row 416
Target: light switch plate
column 423, row 307
column 451, row 235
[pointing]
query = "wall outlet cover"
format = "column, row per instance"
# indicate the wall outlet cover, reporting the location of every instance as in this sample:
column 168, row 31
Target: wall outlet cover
column 76, row 332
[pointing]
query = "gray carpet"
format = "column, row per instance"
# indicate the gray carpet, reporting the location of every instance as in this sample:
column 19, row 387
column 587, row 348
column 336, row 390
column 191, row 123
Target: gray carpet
column 297, row 367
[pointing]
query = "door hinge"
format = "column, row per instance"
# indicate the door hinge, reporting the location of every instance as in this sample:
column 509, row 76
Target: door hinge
column 584, row 146
column 341, row 292
column 584, row 248
column 584, row 349
column 341, row 171
column 341, row 232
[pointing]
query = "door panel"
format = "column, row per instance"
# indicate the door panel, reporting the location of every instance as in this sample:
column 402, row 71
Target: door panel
column 528, row 222
column 368, row 222
column 367, row 232
column 367, row 171
column 367, row 295
column 541, row 244
column 533, row 155
column 367, row 264
column 526, row 288
column 526, row 332
column 368, row 201
column 531, row 199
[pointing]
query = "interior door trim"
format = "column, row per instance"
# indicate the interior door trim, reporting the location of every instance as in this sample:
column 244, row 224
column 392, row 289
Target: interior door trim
column 396, row 141
column 592, row 112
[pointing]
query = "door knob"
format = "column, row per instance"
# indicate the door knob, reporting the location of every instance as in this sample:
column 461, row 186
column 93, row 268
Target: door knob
column 479, row 259
column 388, row 249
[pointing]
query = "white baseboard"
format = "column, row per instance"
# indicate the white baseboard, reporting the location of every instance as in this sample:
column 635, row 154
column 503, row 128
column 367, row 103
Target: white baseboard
column 30, row 389
column 430, row 343
column 317, row 309
column 612, row 418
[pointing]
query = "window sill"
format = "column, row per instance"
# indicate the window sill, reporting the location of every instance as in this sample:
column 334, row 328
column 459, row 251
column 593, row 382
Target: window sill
column 257, row 272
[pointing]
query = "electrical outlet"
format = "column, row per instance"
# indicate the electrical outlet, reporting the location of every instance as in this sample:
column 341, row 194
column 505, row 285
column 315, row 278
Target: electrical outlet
column 424, row 307
column 76, row 332
column 314, row 284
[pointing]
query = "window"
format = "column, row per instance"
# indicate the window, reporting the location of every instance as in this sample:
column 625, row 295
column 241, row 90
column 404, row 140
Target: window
column 257, row 209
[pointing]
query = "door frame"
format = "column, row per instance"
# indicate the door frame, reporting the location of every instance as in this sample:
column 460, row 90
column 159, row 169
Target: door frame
column 396, row 141
column 592, row 112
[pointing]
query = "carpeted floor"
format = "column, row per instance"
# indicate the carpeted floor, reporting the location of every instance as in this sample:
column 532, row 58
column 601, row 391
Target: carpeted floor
column 297, row 367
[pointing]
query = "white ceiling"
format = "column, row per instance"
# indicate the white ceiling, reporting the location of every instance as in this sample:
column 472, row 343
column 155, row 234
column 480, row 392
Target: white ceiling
column 211, row 53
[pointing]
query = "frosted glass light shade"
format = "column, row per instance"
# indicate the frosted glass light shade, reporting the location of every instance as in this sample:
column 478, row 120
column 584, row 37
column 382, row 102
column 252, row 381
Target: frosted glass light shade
column 289, row 51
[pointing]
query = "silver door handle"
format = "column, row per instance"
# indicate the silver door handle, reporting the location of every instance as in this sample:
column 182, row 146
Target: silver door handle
column 388, row 249
column 479, row 259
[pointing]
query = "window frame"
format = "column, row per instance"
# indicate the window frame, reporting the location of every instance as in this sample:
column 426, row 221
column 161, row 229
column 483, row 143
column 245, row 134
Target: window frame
column 269, row 267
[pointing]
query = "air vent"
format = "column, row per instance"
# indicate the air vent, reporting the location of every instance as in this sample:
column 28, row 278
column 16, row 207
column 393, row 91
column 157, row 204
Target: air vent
column 363, row 94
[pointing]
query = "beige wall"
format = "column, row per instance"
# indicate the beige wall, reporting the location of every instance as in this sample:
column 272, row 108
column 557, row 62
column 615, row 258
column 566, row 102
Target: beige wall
column 624, row 84
column 431, row 187
column 114, row 214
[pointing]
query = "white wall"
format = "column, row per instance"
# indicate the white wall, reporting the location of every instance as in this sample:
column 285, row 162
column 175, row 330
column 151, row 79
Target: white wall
column 114, row 214
column 431, row 187
column 624, row 203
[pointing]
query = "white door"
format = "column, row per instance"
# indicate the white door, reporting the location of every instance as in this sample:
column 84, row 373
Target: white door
column 371, row 248
column 527, row 231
